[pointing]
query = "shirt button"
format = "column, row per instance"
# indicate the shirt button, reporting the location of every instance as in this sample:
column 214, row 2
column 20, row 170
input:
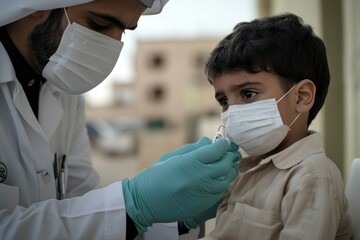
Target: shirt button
column 45, row 175
column 31, row 82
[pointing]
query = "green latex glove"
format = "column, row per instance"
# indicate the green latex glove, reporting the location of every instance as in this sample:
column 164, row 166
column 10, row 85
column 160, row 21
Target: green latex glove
column 210, row 212
column 181, row 184
column 202, row 217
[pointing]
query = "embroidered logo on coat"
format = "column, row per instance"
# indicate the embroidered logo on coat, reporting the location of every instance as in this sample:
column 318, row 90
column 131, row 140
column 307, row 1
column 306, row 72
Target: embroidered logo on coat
column 3, row 172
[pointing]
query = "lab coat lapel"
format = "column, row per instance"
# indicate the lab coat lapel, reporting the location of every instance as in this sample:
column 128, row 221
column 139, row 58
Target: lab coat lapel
column 32, row 142
column 43, row 155
column 7, row 72
column 24, row 144
column 50, row 105
column 23, row 106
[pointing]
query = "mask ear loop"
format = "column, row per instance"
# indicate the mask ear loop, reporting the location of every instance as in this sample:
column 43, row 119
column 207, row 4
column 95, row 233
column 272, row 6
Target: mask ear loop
column 285, row 94
column 67, row 17
column 294, row 120
column 282, row 99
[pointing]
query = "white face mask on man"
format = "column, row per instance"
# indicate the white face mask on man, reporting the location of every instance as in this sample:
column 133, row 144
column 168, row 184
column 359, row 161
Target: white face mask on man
column 83, row 59
column 257, row 128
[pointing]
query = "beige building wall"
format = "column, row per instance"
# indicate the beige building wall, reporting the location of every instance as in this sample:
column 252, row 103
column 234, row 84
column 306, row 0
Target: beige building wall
column 351, row 65
column 121, row 107
column 170, row 96
column 172, row 93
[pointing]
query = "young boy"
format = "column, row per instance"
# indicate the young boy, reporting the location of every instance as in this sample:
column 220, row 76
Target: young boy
column 271, row 78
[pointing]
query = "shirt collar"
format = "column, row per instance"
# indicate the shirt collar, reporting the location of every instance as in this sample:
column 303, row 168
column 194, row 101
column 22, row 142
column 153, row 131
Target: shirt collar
column 297, row 152
column 290, row 156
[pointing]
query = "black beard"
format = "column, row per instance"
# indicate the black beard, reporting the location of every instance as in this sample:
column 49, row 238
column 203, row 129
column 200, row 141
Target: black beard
column 45, row 39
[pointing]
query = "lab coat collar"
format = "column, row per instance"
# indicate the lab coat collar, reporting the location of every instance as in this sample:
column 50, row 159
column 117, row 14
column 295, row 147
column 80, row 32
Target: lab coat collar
column 7, row 71
column 46, row 125
column 49, row 102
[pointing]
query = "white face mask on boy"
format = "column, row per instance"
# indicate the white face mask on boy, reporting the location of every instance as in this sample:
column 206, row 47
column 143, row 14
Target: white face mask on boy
column 256, row 127
column 83, row 59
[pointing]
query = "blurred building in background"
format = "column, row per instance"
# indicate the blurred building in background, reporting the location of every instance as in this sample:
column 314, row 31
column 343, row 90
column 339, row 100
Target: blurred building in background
column 173, row 96
column 169, row 103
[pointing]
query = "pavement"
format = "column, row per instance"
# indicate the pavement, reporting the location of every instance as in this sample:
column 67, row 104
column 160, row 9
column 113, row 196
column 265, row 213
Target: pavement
column 114, row 168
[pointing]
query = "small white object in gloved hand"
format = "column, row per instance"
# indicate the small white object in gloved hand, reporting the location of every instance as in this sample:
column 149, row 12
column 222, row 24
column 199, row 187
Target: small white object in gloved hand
column 220, row 134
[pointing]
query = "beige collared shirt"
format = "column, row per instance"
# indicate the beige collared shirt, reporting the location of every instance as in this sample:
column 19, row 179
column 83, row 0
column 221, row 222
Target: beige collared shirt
column 297, row 193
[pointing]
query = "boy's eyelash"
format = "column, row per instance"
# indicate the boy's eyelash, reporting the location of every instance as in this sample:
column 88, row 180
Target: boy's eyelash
column 222, row 100
column 247, row 91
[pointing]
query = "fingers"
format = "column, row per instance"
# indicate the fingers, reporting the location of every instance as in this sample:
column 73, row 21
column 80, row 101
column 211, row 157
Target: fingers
column 222, row 167
column 233, row 147
column 193, row 146
column 221, row 184
column 212, row 152
column 234, row 171
column 186, row 149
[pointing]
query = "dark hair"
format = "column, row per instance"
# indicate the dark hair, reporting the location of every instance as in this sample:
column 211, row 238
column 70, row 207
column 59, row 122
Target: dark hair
column 280, row 44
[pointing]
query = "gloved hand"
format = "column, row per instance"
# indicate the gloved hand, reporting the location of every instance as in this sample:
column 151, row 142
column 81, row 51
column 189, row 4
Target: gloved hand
column 181, row 184
column 202, row 217
column 210, row 212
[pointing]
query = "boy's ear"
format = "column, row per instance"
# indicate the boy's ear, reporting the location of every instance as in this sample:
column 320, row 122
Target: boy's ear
column 305, row 91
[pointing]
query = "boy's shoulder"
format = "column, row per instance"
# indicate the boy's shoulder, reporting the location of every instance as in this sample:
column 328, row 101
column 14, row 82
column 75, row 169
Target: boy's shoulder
column 307, row 162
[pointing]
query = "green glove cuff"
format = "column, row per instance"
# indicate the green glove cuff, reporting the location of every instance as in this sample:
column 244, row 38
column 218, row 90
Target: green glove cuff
column 132, row 208
column 190, row 224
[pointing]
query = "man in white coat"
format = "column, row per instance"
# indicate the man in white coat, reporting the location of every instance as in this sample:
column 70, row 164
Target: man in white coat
column 51, row 52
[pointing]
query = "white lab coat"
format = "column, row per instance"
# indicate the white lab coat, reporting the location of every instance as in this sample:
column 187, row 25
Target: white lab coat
column 28, row 208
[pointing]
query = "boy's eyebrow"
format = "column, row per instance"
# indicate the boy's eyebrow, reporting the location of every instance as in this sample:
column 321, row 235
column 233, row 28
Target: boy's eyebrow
column 111, row 19
column 236, row 87
column 233, row 88
column 243, row 85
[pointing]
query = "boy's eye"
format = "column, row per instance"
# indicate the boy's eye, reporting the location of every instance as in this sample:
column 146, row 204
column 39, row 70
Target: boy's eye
column 223, row 101
column 247, row 94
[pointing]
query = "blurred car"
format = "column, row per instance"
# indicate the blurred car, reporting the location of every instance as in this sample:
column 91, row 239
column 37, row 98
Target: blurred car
column 110, row 140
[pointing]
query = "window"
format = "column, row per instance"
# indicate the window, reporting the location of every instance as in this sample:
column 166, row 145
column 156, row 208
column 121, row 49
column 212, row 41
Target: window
column 155, row 124
column 124, row 97
column 157, row 61
column 157, row 93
